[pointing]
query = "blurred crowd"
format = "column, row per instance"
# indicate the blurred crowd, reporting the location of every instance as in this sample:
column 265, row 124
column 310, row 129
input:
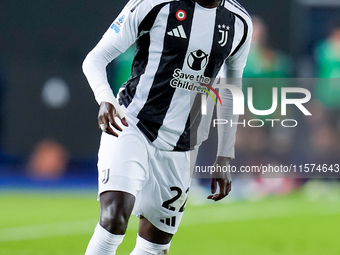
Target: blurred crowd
column 316, row 140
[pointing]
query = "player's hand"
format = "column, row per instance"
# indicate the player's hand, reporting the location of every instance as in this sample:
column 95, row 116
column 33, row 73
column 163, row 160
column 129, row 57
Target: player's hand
column 106, row 116
column 223, row 180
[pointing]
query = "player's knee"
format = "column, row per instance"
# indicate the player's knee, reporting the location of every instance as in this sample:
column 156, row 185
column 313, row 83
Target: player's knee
column 114, row 219
column 144, row 247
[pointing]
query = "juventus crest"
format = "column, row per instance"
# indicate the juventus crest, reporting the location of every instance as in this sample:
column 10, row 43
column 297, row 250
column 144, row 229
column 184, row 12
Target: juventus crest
column 106, row 175
column 223, row 29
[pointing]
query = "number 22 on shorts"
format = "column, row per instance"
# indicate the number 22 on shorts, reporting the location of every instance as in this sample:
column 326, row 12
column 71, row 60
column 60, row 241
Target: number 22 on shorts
column 178, row 202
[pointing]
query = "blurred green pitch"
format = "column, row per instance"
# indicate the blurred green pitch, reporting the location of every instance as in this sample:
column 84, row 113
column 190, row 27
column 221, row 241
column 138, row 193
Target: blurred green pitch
column 62, row 223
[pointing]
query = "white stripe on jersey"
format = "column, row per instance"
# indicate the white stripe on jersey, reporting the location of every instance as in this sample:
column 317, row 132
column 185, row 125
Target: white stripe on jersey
column 155, row 54
column 203, row 21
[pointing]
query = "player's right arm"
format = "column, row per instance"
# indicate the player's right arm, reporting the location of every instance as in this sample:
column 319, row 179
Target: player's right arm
column 117, row 39
column 94, row 68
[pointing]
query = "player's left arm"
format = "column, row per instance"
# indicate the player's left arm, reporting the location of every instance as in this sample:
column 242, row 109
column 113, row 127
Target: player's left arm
column 226, row 137
column 226, row 134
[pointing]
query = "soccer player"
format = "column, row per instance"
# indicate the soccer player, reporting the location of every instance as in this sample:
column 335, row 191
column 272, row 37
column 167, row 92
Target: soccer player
column 144, row 154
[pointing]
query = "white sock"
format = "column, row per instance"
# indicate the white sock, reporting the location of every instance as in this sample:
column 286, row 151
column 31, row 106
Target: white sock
column 144, row 247
column 103, row 242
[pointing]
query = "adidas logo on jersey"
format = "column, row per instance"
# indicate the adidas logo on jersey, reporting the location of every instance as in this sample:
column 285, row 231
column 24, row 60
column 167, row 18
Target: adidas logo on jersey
column 178, row 32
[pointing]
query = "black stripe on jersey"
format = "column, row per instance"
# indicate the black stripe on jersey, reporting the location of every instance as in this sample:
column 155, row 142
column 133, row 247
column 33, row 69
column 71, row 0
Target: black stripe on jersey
column 238, row 6
column 152, row 114
column 138, row 68
column 188, row 139
column 141, row 56
column 220, row 53
column 245, row 34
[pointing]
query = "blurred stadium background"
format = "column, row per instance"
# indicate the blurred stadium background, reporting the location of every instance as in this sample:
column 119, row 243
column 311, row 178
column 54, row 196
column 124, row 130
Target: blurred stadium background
column 49, row 135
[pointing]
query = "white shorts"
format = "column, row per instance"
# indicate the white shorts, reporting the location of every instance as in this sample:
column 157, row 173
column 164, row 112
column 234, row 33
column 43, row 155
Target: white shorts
column 158, row 179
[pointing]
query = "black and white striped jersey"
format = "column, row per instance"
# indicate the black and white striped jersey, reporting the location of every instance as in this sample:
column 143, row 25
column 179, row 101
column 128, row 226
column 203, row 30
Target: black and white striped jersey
column 178, row 45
